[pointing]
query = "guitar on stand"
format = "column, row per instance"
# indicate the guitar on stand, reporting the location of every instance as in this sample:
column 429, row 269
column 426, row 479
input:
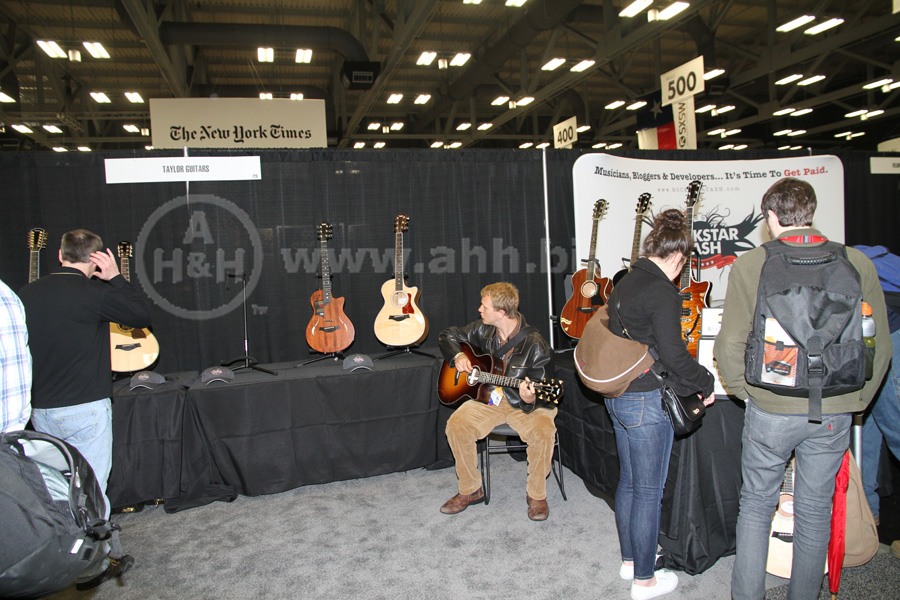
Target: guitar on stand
column 400, row 324
column 132, row 348
column 643, row 204
column 781, row 538
column 37, row 240
column 589, row 290
column 330, row 330
column 694, row 293
column 454, row 386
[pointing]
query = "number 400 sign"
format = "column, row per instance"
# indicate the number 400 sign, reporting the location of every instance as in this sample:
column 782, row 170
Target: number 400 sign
column 682, row 82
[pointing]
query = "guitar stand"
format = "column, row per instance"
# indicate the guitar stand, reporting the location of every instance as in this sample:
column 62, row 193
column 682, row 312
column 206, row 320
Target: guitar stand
column 402, row 351
column 333, row 355
column 248, row 361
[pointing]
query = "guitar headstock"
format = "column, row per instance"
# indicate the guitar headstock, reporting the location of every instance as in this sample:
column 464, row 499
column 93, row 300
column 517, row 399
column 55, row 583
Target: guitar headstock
column 324, row 231
column 125, row 249
column 643, row 203
column 600, row 207
column 401, row 224
column 549, row 390
column 37, row 239
column 693, row 193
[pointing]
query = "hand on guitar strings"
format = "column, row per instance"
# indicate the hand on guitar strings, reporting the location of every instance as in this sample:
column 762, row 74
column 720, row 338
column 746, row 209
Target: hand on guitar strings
column 106, row 264
column 526, row 391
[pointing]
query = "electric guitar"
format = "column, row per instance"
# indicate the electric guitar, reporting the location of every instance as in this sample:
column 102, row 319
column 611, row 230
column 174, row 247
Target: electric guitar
column 589, row 290
column 486, row 374
column 693, row 293
column 329, row 330
column 643, row 204
column 37, row 240
column 400, row 322
column 132, row 348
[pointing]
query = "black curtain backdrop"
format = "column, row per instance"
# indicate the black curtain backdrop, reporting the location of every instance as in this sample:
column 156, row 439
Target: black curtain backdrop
column 476, row 216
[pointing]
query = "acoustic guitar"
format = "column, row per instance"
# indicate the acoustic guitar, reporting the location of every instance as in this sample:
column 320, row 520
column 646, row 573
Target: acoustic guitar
column 589, row 290
column 37, row 240
column 487, row 374
column 400, row 323
column 643, row 204
column 132, row 348
column 781, row 538
column 329, row 330
column 693, row 293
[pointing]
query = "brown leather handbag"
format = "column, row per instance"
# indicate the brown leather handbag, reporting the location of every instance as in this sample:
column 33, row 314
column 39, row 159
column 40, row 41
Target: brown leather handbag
column 608, row 363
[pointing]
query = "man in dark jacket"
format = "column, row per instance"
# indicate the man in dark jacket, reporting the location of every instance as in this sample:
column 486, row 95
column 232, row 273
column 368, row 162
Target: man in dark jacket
column 503, row 333
column 68, row 315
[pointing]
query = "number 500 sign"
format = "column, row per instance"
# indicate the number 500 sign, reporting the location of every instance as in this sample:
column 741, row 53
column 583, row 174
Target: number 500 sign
column 682, row 82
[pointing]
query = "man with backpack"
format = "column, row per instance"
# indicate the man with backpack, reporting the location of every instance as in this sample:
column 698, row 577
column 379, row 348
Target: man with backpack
column 809, row 379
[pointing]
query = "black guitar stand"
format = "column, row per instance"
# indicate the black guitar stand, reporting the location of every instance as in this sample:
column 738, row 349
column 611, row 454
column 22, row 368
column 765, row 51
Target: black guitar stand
column 248, row 362
column 403, row 351
column 333, row 355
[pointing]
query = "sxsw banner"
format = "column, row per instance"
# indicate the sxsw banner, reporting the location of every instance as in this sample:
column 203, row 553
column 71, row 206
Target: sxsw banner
column 727, row 219
column 672, row 127
column 237, row 123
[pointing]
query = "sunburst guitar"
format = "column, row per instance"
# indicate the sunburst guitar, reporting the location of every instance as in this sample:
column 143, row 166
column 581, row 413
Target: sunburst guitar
column 37, row 240
column 694, row 293
column 487, row 374
column 400, row 323
column 330, row 330
column 590, row 291
column 131, row 348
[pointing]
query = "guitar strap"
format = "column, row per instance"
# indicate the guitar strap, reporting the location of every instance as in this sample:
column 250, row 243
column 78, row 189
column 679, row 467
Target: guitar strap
column 501, row 352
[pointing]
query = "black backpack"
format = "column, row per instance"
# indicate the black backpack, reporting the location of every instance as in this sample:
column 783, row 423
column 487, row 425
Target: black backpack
column 52, row 510
column 806, row 339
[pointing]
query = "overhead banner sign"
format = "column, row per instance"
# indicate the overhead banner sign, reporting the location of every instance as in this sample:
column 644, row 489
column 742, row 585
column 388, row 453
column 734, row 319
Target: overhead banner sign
column 564, row 133
column 182, row 168
column 682, row 82
column 237, row 123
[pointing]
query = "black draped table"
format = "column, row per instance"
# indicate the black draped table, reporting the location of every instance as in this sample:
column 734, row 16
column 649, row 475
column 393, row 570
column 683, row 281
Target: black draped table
column 262, row 434
column 700, row 501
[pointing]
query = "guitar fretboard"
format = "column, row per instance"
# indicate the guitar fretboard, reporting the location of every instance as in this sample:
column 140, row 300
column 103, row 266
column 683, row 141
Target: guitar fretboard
column 33, row 265
column 326, row 272
column 398, row 261
column 125, row 268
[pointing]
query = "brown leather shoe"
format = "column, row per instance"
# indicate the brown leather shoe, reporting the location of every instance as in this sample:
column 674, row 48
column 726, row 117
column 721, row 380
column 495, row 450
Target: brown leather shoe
column 460, row 502
column 537, row 509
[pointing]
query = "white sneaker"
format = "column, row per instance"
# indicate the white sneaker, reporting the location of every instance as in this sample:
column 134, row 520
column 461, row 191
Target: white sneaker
column 626, row 572
column 666, row 581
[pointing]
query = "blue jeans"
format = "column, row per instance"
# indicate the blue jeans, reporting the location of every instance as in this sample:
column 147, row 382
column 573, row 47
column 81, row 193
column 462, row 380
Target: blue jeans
column 768, row 440
column 88, row 427
column 644, row 439
column 882, row 422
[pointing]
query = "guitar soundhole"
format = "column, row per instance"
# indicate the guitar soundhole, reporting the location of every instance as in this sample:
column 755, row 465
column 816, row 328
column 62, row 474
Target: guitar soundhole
column 589, row 289
column 400, row 299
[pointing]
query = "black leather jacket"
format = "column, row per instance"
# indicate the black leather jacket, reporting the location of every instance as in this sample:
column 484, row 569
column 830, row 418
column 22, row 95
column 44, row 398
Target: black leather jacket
column 532, row 357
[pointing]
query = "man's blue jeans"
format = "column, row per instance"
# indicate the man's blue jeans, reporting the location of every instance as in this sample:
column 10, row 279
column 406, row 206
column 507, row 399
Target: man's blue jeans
column 768, row 440
column 88, row 427
column 882, row 422
column 644, row 438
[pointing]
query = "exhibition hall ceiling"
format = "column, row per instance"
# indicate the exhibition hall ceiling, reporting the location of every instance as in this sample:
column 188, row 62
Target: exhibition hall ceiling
column 361, row 52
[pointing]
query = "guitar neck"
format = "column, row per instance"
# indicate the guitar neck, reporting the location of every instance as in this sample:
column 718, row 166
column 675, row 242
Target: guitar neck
column 499, row 380
column 686, row 269
column 326, row 272
column 591, row 268
column 33, row 265
column 125, row 268
column 398, row 261
column 636, row 240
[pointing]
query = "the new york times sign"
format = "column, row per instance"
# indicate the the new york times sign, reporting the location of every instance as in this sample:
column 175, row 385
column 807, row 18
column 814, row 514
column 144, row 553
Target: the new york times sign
column 237, row 123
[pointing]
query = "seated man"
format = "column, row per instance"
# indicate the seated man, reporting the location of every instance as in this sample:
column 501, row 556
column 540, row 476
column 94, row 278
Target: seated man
column 503, row 333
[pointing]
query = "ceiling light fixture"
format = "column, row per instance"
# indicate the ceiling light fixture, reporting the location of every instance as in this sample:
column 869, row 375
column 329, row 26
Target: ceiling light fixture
column 455, row 144
column 96, row 49
column 599, row 145
column 796, row 133
column 134, row 97
column 463, row 126
column 296, row 96
column 856, row 134
column 265, row 54
column 51, row 48
column 52, row 128
column 526, row 145
column 443, row 63
column 798, row 22
column 801, row 112
column 713, row 73
column 396, row 126
column 22, row 128
column 877, row 84
column 731, row 132
column 485, row 126
column 705, row 108
column 553, row 63
column 437, row 144
column 614, row 104
column 614, row 146
column 265, row 95
column 515, row 3
column 811, row 80
column 131, row 128
column 100, row 97
column 740, row 147
column 721, row 110
column 719, row 131
column 856, row 113
column 84, row 148
column 6, row 99
column 460, row 59
column 60, row 149
column 524, row 101
column 726, row 147
column 583, row 66
column 426, row 58
column 373, row 126
column 542, row 145
column 74, row 55
column 500, row 100
column 783, row 111
column 145, row 131
column 464, row 2
column 303, row 56
column 378, row 145
column 671, row 10
column 872, row 113
column 636, row 105
column 789, row 79
column 582, row 128
column 635, row 8
column 829, row 24
column 359, row 145
column 395, row 98
column 422, row 99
